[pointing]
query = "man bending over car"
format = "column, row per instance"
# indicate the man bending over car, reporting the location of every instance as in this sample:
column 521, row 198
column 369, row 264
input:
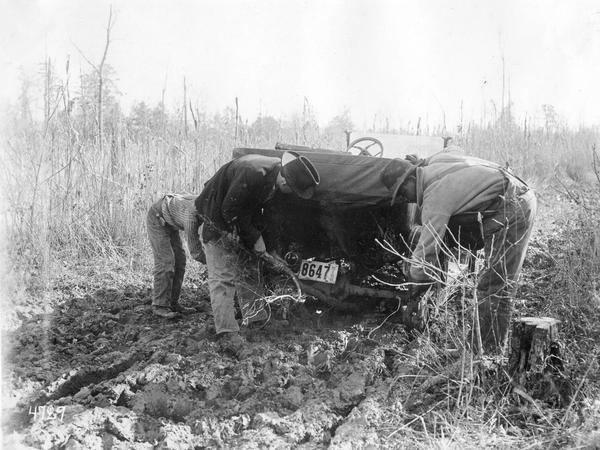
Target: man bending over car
column 452, row 190
column 230, row 206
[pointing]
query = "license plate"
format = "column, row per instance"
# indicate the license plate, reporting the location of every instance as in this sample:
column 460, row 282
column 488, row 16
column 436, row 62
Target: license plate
column 325, row 272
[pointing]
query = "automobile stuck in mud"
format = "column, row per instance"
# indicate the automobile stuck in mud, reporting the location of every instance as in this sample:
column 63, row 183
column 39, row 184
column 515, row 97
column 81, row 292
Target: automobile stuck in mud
column 345, row 243
column 330, row 240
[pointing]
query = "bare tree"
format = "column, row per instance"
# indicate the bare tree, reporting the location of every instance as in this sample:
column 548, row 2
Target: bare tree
column 100, row 78
column 99, row 68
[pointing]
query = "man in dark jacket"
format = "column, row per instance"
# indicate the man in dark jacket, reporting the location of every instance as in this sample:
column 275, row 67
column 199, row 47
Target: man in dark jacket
column 450, row 188
column 230, row 206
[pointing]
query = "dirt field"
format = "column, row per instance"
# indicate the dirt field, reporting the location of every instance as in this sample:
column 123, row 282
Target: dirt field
column 97, row 370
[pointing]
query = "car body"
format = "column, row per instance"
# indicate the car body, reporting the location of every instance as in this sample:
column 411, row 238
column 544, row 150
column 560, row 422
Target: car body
column 395, row 145
column 339, row 229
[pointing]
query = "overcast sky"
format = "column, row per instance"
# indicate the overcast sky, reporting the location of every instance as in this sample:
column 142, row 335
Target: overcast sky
column 386, row 59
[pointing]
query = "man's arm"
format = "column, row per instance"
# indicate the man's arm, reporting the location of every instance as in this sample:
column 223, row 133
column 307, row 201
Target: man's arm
column 426, row 252
column 192, row 235
column 238, row 204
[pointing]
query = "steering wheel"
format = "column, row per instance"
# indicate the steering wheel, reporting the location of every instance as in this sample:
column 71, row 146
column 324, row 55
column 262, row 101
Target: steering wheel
column 363, row 145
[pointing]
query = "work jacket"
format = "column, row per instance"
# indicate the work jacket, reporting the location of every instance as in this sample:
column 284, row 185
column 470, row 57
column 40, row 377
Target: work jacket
column 235, row 196
column 452, row 187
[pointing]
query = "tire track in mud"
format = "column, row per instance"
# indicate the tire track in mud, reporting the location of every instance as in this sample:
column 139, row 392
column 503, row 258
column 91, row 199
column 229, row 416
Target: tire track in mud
column 77, row 345
column 73, row 383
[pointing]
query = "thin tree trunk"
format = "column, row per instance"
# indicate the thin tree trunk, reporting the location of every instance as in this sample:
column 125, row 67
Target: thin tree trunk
column 163, row 118
column 185, row 125
column 47, row 83
column 236, row 119
column 101, row 80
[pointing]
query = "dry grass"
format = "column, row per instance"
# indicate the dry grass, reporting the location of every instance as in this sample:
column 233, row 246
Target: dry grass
column 455, row 401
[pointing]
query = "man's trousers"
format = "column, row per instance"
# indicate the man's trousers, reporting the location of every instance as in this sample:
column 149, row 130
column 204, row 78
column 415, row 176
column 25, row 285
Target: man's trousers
column 169, row 258
column 233, row 272
column 506, row 236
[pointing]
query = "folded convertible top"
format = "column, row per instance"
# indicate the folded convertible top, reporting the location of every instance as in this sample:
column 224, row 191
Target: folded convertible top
column 347, row 181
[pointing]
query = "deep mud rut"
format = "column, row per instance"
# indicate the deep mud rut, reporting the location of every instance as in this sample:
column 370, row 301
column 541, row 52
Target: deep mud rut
column 112, row 375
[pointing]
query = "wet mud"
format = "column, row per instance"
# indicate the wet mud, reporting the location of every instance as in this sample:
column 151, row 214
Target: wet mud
column 100, row 371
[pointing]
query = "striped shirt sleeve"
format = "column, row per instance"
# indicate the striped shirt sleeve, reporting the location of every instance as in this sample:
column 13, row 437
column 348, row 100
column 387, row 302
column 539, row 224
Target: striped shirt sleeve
column 179, row 211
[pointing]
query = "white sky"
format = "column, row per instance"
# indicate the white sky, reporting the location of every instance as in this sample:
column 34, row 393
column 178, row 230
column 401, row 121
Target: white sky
column 387, row 59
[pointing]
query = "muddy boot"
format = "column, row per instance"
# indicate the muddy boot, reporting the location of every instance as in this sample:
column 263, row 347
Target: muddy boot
column 231, row 343
column 204, row 307
column 163, row 311
column 182, row 309
column 207, row 329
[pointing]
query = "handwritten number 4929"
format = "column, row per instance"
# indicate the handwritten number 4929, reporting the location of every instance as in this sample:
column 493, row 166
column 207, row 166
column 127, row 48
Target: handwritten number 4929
column 47, row 412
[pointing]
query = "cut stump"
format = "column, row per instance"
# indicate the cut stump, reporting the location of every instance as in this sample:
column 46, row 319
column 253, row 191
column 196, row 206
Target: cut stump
column 534, row 346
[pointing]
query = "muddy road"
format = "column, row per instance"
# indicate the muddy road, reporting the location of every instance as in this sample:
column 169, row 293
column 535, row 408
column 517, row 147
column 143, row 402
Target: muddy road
column 101, row 371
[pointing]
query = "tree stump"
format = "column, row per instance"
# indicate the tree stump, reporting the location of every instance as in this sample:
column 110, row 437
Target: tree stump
column 534, row 346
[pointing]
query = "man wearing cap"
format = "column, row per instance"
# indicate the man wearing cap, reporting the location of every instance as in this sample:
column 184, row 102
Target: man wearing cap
column 166, row 218
column 230, row 205
column 456, row 194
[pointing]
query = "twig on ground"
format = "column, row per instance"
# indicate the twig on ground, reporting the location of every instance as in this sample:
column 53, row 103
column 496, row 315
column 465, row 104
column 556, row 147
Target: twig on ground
column 585, row 375
column 384, row 320
column 577, row 201
column 418, row 417
column 524, row 395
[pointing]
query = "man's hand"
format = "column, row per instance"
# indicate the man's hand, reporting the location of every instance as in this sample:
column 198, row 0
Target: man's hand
column 276, row 261
column 414, row 237
column 418, row 288
column 201, row 257
column 415, row 287
column 259, row 245
column 277, row 258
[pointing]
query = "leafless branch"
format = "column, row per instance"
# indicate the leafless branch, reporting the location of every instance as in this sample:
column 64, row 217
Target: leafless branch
column 572, row 196
column 108, row 30
column 194, row 118
column 595, row 161
column 101, row 79
column 85, row 57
